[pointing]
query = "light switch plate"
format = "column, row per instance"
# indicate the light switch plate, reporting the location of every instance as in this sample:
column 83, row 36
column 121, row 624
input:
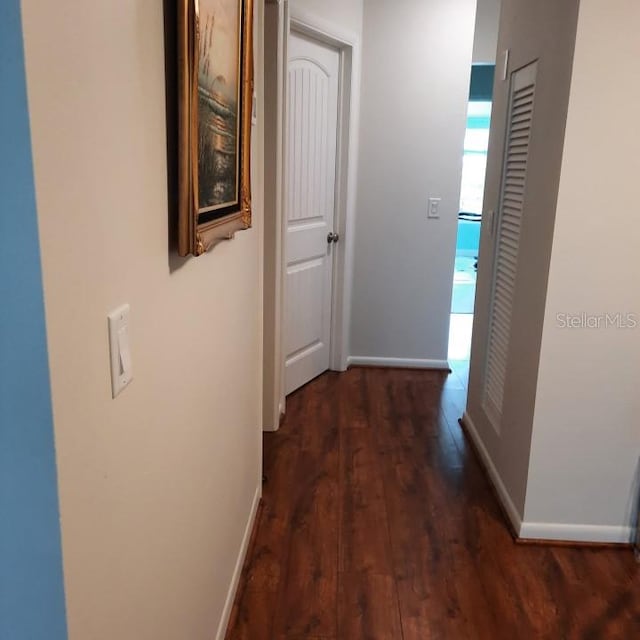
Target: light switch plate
column 505, row 64
column 434, row 208
column 120, row 349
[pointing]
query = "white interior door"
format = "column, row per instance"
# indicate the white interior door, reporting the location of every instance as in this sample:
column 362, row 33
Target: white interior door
column 312, row 120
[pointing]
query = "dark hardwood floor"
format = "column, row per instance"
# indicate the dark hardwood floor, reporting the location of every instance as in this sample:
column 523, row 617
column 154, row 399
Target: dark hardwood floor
column 378, row 523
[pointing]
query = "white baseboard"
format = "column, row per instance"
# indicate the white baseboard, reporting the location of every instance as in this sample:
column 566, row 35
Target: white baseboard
column 545, row 530
column 237, row 572
column 275, row 426
column 576, row 532
column 405, row 363
column 503, row 494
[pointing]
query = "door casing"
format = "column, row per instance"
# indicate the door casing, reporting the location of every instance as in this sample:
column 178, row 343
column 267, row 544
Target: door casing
column 281, row 19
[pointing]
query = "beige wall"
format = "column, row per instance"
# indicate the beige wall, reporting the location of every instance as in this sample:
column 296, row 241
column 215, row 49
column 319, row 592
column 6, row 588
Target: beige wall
column 156, row 486
column 543, row 30
column 586, row 440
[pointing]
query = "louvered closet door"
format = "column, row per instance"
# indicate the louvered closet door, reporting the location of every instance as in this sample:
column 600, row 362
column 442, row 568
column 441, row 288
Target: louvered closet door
column 511, row 210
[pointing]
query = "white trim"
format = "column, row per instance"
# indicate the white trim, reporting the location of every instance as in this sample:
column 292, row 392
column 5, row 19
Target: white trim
column 274, row 71
column 237, row 572
column 496, row 480
column 576, row 532
column 543, row 530
column 275, row 425
column 341, row 289
column 348, row 46
column 334, row 34
column 283, row 186
column 404, row 363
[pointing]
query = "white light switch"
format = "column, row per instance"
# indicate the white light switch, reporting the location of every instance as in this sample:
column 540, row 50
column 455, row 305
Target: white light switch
column 121, row 363
column 505, row 64
column 434, row 208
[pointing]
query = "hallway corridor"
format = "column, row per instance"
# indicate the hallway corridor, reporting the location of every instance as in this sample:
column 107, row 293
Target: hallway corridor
column 378, row 523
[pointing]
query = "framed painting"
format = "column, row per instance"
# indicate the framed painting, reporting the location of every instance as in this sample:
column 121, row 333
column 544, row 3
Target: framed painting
column 215, row 94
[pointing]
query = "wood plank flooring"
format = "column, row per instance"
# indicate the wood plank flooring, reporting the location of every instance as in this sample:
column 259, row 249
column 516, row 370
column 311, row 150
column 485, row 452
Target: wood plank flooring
column 378, row 523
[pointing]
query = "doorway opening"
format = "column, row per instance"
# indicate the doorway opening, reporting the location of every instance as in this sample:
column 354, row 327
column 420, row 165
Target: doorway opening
column 474, row 164
column 309, row 200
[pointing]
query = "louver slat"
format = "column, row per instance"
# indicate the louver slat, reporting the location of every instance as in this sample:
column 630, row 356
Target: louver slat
column 521, row 104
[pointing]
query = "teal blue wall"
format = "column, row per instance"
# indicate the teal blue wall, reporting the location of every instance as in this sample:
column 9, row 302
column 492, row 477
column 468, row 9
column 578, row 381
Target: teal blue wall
column 468, row 240
column 481, row 87
column 31, row 587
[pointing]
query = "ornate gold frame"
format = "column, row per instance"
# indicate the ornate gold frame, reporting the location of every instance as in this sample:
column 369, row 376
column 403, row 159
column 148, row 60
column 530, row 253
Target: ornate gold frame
column 194, row 237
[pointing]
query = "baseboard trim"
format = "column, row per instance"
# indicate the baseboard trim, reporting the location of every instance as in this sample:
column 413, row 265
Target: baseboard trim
column 277, row 423
column 237, row 572
column 544, row 532
column 514, row 517
column 549, row 532
column 397, row 363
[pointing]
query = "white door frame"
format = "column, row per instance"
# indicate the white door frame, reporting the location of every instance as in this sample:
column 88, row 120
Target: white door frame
column 280, row 21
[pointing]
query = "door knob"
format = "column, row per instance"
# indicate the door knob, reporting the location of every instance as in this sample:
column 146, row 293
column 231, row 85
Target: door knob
column 333, row 237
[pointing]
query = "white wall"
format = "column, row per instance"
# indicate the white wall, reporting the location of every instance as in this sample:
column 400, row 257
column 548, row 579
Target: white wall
column 415, row 82
column 156, row 486
column 345, row 13
column 586, row 439
column 486, row 33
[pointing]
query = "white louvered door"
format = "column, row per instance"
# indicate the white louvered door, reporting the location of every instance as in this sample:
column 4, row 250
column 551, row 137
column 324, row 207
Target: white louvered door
column 313, row 79
column 507, row 242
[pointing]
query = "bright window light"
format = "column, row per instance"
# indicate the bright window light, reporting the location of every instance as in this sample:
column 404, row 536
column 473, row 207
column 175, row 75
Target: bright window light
column 474, row 163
